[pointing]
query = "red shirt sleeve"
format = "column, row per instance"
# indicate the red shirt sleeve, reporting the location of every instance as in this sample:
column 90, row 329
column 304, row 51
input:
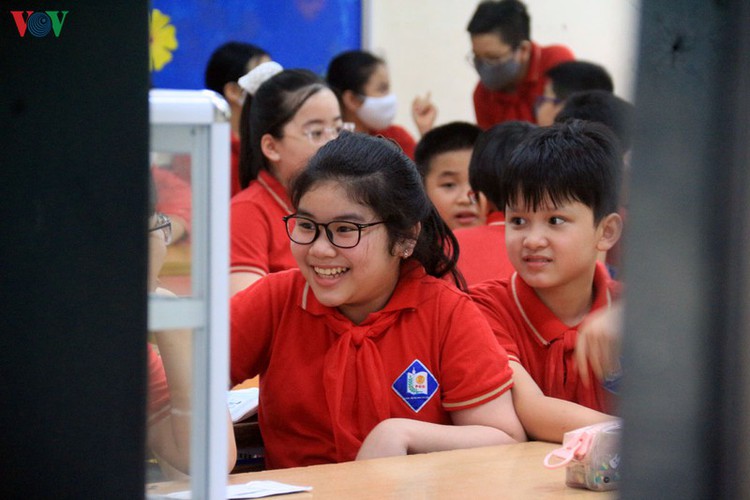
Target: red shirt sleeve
column 158, row 391
column 174, row 195
column 251, row 330
column 474, row 367
column 488, row 296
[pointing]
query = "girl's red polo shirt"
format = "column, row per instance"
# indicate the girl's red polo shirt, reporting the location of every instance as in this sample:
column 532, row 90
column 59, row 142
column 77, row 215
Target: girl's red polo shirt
column 326, row 382
column 259, row 242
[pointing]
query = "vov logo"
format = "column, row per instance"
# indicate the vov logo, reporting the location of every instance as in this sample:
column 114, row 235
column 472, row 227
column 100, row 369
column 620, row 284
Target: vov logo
column 39, row 23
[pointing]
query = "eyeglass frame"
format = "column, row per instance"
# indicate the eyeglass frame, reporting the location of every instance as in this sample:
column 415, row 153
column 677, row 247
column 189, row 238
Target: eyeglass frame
column 472, row 58
column 332, row 132
column 163, row 222
column 329, row 233
column 542, row 99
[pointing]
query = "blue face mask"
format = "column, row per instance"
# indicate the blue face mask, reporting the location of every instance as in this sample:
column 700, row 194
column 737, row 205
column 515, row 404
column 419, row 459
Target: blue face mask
column 497, row 76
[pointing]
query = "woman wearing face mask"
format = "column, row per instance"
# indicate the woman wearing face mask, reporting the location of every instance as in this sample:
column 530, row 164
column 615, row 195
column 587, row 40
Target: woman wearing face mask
column 287, row 116
column 363, row 87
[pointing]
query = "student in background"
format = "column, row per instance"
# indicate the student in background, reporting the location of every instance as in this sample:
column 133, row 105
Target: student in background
column 364, row 350
column 565, row 79
column 170, row 373
column 560, row 189
column 442, row 157
column 617, row 114
column 483, row 255
column 511, row 67
column 292, row 114
column 363, row 87
column 226, row 65
column 602, row 107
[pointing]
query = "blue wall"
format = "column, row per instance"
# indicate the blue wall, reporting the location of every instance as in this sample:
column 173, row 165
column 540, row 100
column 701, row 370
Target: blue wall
column 297, row 33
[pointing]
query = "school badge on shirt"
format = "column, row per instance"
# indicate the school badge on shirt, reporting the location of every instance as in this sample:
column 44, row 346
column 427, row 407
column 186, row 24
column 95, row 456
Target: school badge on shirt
column 416, row 385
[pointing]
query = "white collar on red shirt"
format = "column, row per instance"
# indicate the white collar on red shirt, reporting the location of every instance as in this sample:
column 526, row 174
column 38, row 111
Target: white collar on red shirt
column 544, row 324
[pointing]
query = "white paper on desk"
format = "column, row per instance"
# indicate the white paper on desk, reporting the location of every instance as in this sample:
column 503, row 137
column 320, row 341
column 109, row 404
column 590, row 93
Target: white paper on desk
column 258, row 489
column 243, row 403
column 253, row 489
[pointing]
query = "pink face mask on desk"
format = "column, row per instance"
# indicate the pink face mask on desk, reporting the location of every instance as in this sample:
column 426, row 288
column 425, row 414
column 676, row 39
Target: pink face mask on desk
column 378, row 113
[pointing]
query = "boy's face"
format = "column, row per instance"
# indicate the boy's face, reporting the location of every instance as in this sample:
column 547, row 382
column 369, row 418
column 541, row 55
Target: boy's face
column 547, row 106
column 554, row 249
column 447, row 185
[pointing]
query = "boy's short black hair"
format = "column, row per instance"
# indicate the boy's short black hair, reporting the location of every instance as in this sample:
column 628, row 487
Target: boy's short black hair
column 572, row 161
column 453, row 136
column 577, row 76
column 507, row 18
column 602, row 107
column 491, row 152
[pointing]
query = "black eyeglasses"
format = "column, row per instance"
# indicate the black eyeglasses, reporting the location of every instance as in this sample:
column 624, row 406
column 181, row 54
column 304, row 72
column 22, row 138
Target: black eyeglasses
column 164, row 223
column 341, row 233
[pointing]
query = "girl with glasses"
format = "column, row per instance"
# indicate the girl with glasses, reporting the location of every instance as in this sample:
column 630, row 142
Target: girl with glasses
column 287, row 115
column 369, row 348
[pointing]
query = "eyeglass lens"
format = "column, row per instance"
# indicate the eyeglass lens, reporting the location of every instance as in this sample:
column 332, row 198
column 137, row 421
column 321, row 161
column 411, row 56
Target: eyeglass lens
column 163, row 223
column 340, row 233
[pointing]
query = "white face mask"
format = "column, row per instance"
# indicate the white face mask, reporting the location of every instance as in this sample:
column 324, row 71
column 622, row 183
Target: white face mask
column 378, row 113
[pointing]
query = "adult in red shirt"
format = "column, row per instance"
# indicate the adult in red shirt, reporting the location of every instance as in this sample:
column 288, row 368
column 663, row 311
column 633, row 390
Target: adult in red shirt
column 511, row 67
column 362, row 85
column 364, row 350
column 291, row 114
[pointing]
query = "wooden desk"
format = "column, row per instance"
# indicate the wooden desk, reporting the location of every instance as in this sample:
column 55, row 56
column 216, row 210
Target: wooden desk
column 509, row 472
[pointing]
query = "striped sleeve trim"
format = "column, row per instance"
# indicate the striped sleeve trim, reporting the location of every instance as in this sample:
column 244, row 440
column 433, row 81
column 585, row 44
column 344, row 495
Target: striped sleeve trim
column 159, row 415
column 513, row 357
column 248, row 269
column 484, row 397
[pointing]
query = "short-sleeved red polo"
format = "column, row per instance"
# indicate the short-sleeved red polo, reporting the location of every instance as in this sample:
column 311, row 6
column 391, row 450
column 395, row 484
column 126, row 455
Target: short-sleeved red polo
column 532, row 335
column 325, row 382
column 259, row 243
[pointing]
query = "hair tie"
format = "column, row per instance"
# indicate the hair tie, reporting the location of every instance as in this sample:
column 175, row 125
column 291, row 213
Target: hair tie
column 259, row 74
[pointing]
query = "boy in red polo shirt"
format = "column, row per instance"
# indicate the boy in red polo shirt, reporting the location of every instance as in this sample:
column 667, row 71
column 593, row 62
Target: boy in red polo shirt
column 560, row 192
column 512, row 69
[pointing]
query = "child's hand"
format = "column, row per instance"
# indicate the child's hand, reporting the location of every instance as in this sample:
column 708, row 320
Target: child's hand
column 424, row 113
column 598, row 344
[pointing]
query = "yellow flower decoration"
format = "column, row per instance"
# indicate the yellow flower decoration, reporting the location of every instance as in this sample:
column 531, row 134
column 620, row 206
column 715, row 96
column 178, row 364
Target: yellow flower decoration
column 162, row 40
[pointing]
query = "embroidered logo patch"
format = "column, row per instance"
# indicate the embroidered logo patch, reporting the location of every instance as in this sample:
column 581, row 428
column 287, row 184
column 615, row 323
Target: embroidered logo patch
column 416, row 385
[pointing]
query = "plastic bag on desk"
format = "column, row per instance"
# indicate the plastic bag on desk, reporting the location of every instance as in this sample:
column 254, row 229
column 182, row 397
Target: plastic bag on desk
column 591, row 456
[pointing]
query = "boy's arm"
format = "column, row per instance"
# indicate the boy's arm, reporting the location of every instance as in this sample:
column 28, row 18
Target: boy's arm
column 492, row 423
column 546, row 418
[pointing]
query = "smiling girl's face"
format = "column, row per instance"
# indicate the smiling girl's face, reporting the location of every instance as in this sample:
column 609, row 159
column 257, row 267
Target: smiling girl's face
column 357, row 280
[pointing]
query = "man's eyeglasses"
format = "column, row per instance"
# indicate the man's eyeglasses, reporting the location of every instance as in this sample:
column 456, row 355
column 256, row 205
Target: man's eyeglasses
column 319, row 135
column 163, row 223
column 542, row 99
column 473, row 59
column 341, row 233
